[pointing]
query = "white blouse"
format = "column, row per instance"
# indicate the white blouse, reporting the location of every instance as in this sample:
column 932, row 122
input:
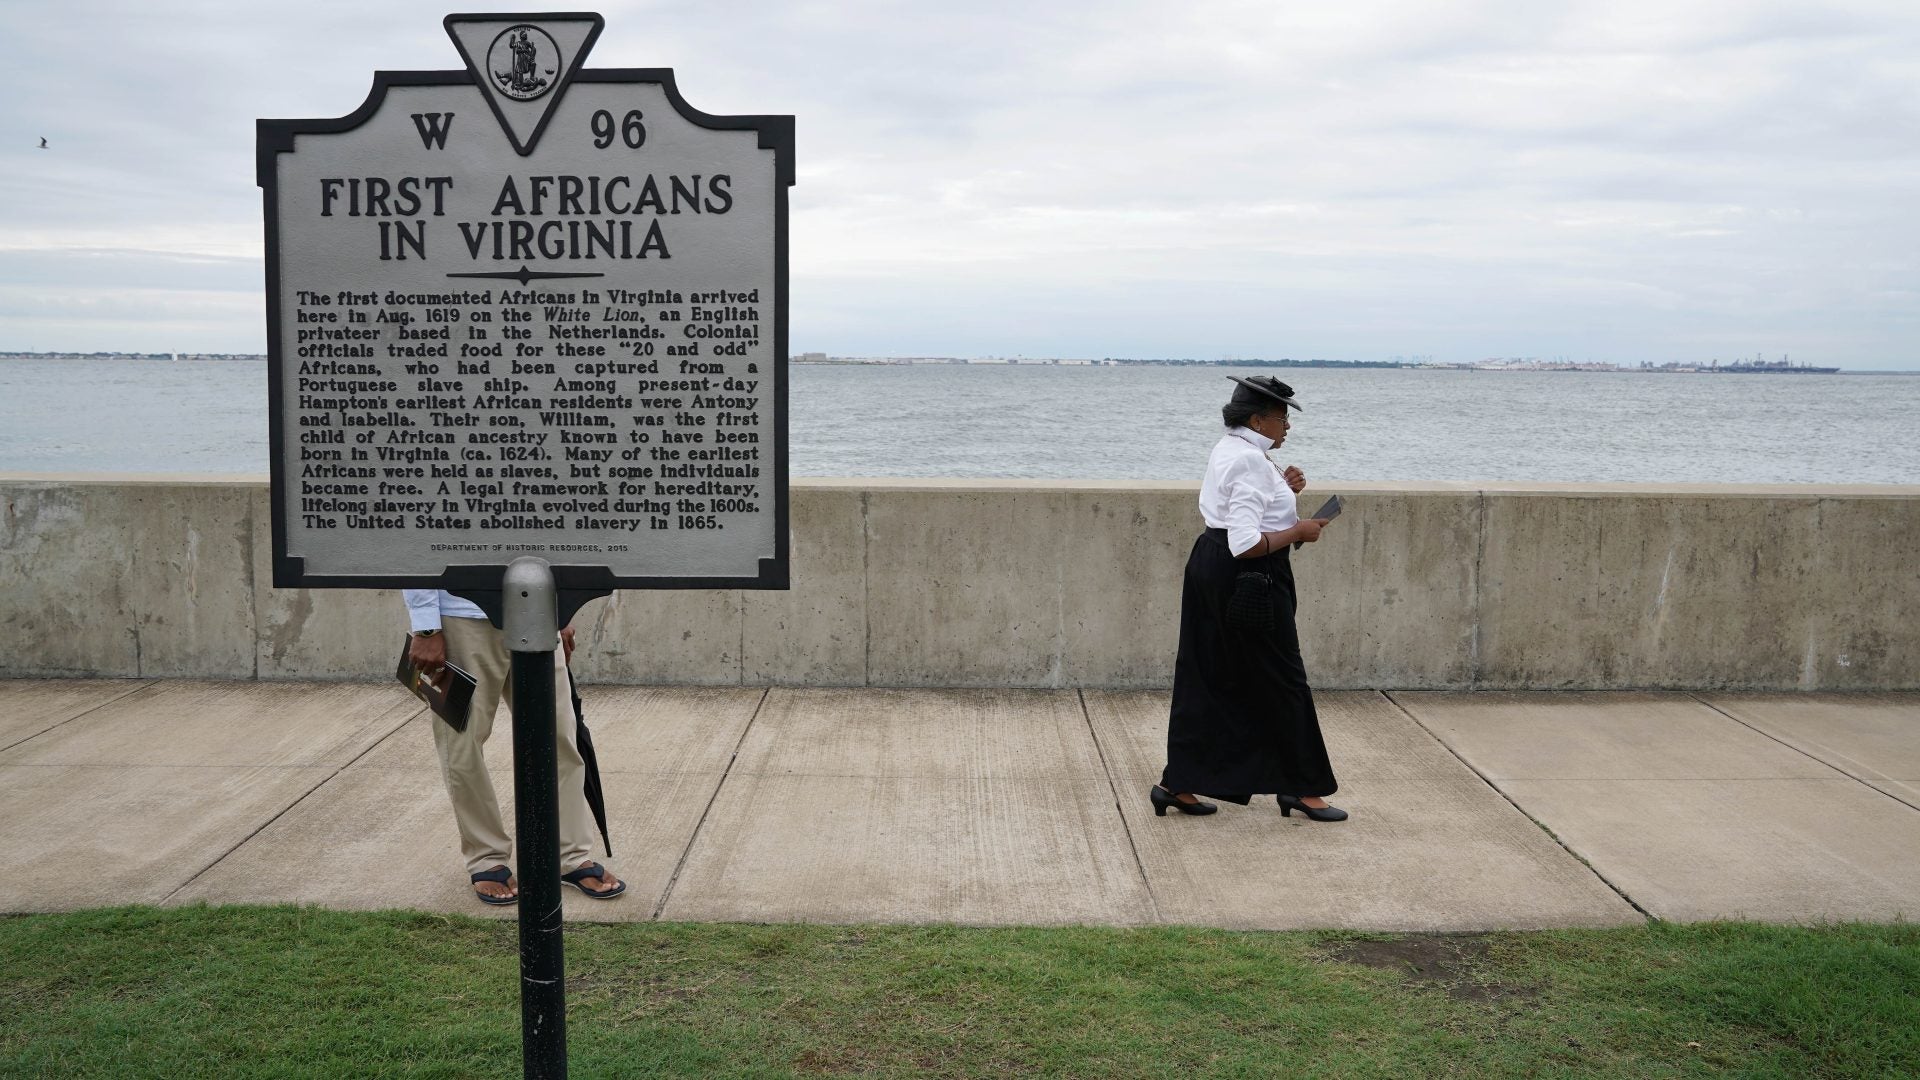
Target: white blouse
column 1243, row 492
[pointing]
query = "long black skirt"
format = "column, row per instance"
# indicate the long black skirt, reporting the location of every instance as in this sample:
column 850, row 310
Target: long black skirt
column 1242, row 722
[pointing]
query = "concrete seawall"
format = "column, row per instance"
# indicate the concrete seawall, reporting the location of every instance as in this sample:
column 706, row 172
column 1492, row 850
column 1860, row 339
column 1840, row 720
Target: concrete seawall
column 1052, row 583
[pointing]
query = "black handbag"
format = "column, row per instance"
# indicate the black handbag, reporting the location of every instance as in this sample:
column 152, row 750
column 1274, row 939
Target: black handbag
column 1250, row 608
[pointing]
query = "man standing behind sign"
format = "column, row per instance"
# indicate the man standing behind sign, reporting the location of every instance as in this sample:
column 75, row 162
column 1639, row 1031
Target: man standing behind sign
column 447, row 628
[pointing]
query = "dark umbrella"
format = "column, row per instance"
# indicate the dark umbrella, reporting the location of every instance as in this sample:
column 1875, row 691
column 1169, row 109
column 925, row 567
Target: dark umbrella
column 596, row 798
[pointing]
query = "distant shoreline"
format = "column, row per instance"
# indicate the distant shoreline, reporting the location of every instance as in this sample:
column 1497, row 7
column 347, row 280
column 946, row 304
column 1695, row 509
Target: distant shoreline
column 159, row 357
column 1743, row 368
column 822, row 360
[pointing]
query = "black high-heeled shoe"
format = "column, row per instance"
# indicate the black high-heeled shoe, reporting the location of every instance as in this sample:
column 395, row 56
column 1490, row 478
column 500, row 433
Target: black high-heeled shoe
column 1162, row 799
column 1290, row 803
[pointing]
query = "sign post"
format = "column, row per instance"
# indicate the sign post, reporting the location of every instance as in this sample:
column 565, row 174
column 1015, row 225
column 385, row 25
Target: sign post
column 529, row 605
column 527, row 309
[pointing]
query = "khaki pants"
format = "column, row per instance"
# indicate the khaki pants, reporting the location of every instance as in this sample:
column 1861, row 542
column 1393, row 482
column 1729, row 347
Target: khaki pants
column 475, row 646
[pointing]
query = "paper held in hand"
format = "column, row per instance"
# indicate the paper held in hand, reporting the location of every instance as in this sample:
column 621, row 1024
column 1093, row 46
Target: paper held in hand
column 1327, row 512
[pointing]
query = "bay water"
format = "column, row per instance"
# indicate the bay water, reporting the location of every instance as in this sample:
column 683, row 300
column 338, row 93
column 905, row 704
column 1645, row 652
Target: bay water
column 1149, row 423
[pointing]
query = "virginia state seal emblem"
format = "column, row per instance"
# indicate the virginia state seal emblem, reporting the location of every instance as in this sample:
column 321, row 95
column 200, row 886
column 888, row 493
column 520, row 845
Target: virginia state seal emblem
column 522, row 61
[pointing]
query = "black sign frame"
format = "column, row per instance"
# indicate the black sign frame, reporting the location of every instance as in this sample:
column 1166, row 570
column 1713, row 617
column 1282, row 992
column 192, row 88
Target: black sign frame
column 276, row 137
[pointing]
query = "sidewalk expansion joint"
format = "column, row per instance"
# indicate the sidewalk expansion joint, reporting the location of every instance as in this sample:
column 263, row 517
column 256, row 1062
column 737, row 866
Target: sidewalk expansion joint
column 141, row 689
column 1153, row 902
column 304, row 796
column 693, row 838
column 1803, row 753
column 1592, row 869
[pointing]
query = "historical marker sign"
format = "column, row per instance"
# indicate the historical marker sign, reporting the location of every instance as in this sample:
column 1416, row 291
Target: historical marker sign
column 528, row 308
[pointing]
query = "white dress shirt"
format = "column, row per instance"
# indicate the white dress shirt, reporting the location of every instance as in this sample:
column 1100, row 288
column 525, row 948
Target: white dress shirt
column 1243, row 492
column 426, row 607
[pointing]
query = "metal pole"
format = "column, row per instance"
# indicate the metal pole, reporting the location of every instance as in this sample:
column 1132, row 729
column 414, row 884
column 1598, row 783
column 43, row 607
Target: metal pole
column 530, row 614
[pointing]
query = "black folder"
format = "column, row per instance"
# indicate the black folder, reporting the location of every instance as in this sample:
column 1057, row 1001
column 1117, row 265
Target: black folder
column 449, row 696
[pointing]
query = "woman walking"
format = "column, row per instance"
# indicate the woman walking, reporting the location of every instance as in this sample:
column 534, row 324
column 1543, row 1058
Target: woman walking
column 1242, row 722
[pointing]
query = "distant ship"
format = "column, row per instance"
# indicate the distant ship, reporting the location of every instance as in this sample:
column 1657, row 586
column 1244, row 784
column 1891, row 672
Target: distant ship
column 1757, row 366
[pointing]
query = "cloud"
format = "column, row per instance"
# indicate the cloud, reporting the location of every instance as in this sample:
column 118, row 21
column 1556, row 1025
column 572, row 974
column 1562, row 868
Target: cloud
column 1637, row 179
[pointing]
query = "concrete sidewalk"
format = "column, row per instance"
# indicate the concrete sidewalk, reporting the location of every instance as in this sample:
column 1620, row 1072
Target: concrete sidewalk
column 1470, row 811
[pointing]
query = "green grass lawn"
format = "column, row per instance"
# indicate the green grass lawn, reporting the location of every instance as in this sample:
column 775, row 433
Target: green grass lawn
column 305, row 992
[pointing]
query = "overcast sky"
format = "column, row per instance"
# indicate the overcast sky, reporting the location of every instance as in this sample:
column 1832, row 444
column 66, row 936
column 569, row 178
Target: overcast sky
column 1629, row 180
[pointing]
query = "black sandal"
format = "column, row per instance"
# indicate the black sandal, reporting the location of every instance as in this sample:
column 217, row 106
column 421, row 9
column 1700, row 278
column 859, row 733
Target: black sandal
column 499, row 875
column 576, row 877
